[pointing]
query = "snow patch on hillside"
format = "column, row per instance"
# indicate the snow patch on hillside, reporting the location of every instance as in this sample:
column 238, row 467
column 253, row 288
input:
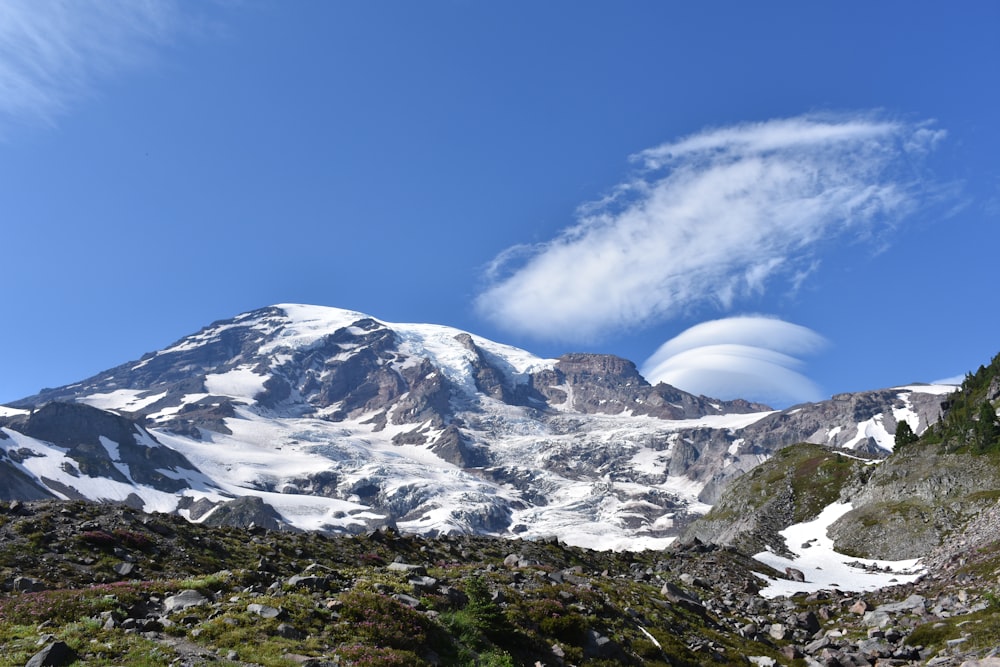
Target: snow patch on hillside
column 128, row 400
column 824, row 567
column 933, row 389
column 906, row 413
column 52, row 463
column 874, row 429
column 238, row 383
column 168, row 412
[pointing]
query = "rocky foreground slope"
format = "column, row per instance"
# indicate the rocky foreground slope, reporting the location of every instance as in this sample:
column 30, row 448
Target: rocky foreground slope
column 108, row 585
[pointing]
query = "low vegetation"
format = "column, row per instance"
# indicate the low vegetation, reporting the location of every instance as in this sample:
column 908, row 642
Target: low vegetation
column 103, row 577
column 387, row 599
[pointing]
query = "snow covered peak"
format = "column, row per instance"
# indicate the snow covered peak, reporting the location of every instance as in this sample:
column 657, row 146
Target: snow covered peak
column 305, row 324
column 438, row 343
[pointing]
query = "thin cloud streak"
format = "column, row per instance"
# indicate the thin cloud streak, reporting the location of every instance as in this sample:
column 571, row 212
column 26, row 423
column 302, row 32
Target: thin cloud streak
column 53, row 52
column 754, row 357
column 711, row 219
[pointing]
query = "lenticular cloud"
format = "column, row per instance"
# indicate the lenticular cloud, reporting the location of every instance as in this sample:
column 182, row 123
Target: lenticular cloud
column 710, row 220
column 752, row 357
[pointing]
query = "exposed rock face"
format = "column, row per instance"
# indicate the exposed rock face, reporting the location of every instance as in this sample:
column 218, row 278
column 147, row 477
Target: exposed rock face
column 452, row 446
column 245, row 512
column 71, row 425
column 864, row 422
column 100, row 442
column 915, row 500
column 835, row 421
column 209, row 414
column 15, row 485
column 920, row 501
column 493, row 377
column 606, row 384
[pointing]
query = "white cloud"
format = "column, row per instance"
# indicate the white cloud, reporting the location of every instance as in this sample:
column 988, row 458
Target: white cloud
column 53, row 51
column 712, row 218
column 753, row 357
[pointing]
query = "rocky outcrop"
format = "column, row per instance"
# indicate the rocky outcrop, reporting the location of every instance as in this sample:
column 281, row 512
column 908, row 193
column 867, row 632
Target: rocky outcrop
column 494, row 377
column 836, row 422
column 606, row 384
column 915, row 500
column 15, row 485
column 103, row 443
column 453, row 447
column 246, row 512
column 918, row 501
column 427, row 400
column 209, row 414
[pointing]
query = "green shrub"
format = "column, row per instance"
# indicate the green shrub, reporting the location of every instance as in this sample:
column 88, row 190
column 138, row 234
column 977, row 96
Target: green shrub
column 495, row 658
column 385, row 623
column 371, row 656
column 485, row 614
column 67, row 605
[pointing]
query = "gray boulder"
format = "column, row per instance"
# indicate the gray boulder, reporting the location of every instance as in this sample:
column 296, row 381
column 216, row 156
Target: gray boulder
column 54, row 654
column 184, row 600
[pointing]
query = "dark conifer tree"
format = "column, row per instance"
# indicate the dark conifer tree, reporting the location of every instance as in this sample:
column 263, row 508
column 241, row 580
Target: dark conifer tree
column 904, row 435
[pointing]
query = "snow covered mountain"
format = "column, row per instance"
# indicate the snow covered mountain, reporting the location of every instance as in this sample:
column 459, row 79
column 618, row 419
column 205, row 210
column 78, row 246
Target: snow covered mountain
column 328, row 419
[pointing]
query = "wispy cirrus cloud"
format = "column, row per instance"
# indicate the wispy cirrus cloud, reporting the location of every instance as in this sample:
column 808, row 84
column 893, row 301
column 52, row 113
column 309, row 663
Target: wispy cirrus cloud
column 53, row 52
column 711, row 219
column 750, row 356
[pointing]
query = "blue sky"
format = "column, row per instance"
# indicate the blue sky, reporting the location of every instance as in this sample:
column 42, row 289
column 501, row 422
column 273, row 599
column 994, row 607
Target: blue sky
column 793, row 199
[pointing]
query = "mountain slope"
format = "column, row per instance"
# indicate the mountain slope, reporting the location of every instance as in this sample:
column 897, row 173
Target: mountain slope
column 340, row 422
column 943, row 485
column 935, row 499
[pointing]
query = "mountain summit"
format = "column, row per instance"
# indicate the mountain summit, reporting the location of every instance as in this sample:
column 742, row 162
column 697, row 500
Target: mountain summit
column 327, row 419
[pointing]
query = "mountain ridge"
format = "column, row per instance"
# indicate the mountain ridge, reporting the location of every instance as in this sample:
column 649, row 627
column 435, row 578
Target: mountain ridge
column 341, row 422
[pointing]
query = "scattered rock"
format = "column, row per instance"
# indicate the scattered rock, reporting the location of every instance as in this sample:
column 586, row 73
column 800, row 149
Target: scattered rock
column 794, row 574
column 184, row 600
column 124, row 569
column 264, row 611
column 404, row 567
column 680, row 597
column 55, row 654
column 27, row 585
column 312, row 582
column 288, row 632
column 408, row 600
